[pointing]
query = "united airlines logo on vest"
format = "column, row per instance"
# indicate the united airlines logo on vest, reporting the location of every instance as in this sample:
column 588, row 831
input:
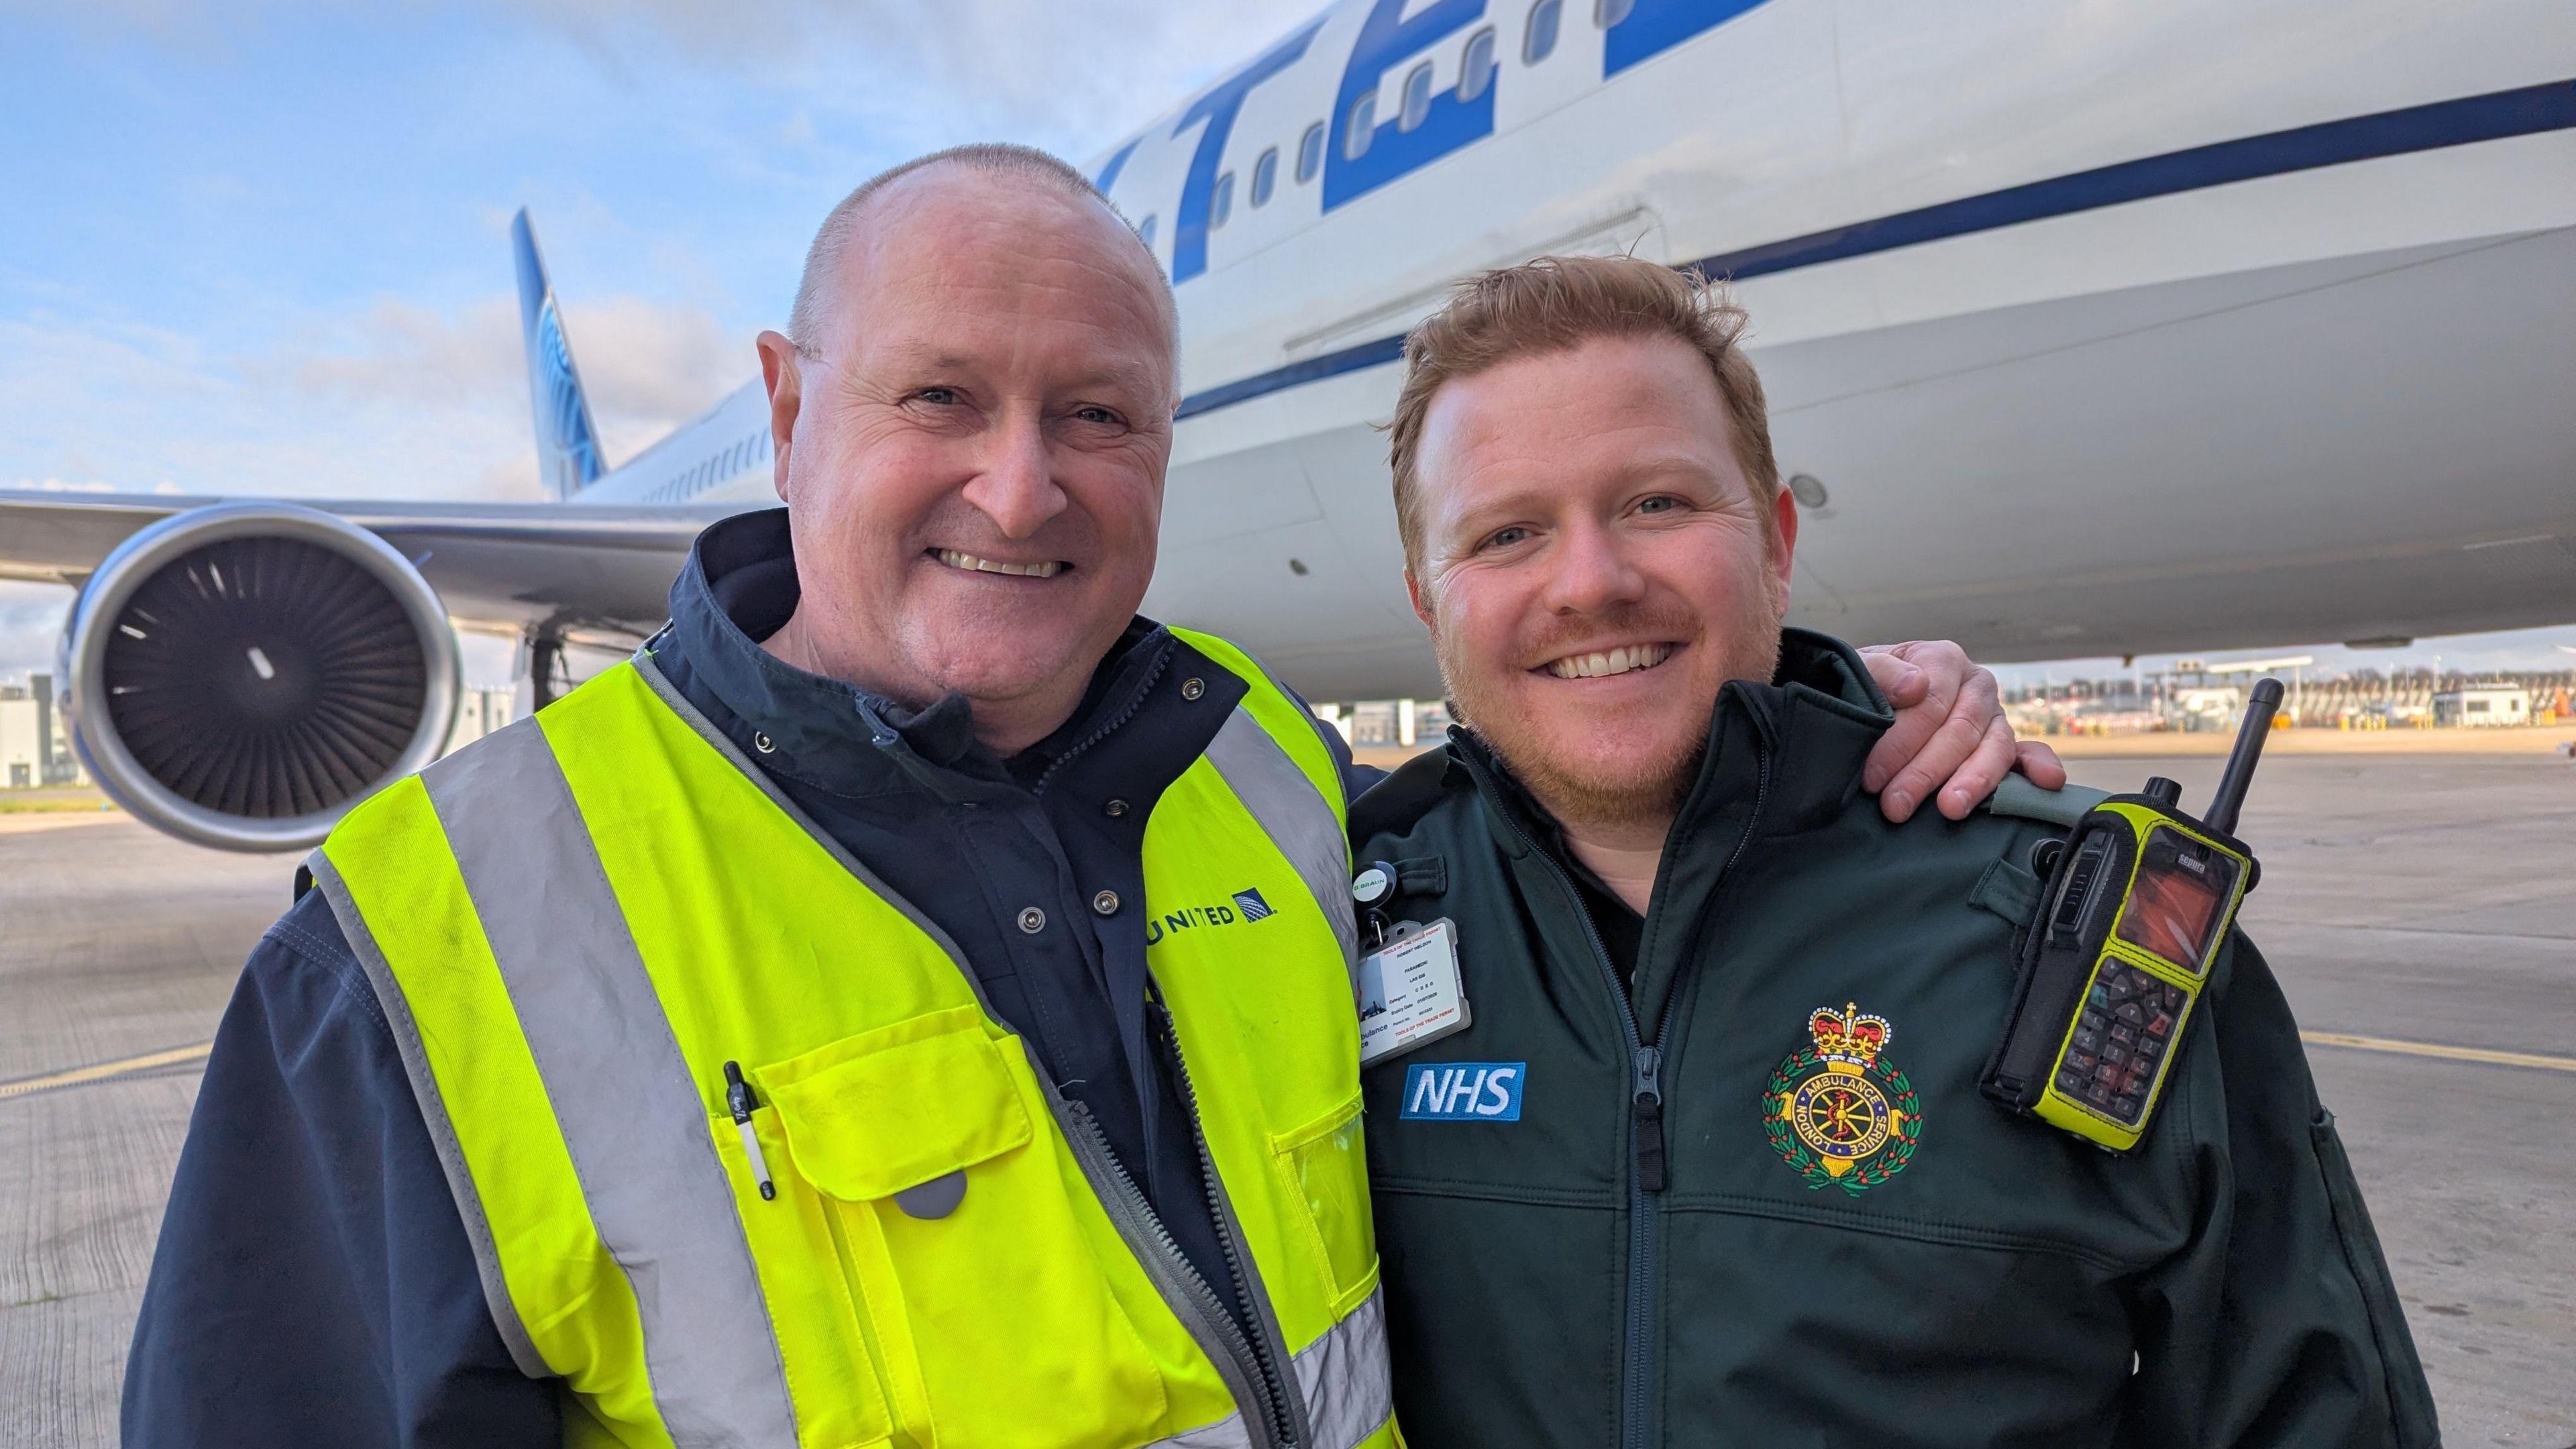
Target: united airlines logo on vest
column 1463, row 1091
column 1248, row 906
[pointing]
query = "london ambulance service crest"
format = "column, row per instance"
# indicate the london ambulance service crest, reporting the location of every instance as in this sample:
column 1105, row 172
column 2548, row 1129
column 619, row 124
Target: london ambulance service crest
column 1837, row 1111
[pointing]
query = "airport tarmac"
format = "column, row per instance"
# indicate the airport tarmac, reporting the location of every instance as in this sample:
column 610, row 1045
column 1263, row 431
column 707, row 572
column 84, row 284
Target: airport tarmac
column 2420, row 910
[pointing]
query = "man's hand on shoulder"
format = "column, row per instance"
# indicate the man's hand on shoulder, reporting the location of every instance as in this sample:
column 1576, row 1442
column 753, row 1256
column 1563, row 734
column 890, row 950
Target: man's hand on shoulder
column 1950, row 733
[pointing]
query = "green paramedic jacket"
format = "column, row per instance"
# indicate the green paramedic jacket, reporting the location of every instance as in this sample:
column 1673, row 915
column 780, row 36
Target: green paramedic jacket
column 1768, row 1206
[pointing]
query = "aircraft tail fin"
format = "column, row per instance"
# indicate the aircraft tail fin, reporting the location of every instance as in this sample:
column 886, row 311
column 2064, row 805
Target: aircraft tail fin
column 568, row 457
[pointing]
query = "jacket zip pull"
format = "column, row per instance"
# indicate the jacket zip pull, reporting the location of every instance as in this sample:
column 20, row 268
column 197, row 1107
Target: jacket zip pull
column 1650, row 1118
column 738, row 1102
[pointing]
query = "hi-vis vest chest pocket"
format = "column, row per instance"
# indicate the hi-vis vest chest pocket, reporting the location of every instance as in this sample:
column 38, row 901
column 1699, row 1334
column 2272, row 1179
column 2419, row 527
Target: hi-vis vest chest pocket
column 576, row 923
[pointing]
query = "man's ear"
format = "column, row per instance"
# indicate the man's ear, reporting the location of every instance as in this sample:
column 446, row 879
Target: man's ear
column 1784, row 518
column 779, row 369
column 1421, row 606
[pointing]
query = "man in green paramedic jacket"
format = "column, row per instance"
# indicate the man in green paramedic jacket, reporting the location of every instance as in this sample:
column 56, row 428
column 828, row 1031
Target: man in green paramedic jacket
column 1710, row 1165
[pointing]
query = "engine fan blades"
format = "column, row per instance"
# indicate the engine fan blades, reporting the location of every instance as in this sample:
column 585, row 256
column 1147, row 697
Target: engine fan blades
column 265, row 677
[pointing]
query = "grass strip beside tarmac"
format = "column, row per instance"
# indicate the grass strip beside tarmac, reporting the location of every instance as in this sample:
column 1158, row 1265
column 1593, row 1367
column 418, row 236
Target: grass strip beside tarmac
column 54, row 801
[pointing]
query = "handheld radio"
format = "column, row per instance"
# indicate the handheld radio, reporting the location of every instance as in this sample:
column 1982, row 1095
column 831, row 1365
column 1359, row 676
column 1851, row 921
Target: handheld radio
column 2139, row 898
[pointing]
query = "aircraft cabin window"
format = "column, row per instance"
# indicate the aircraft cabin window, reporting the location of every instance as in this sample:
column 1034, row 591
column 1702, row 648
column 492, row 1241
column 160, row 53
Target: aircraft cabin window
column 1145, row 233
column 1476, row 70
column 1221, row 202
column 1265, row 175
column 1310, row 153
column 1361, row 128
column 1606, row 13
column 1417, row 98
column 1541, row 37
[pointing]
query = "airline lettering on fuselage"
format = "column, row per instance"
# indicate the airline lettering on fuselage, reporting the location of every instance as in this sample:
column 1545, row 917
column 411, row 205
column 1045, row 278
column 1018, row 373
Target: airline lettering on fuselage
column 1108, row 176
column 1388, row 39
column 1390, row 44
column 1218, row 108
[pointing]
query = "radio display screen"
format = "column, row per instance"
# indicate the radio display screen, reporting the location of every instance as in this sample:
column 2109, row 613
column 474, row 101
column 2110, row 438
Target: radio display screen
column 2176, row 901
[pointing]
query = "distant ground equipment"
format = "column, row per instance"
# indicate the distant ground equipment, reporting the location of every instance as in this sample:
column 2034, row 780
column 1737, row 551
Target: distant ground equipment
column 2477, row 706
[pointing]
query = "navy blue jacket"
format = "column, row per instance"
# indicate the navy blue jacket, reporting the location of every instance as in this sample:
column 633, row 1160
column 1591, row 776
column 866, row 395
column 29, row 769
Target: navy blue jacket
column 313, row 1282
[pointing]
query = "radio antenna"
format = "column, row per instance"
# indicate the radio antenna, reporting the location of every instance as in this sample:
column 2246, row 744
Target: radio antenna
column 2250, row 735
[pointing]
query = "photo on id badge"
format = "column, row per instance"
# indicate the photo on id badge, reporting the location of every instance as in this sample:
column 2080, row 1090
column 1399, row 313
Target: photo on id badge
column 1409, row 994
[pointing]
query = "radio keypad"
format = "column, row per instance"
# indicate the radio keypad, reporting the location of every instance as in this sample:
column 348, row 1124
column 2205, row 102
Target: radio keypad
column 2120, row 1039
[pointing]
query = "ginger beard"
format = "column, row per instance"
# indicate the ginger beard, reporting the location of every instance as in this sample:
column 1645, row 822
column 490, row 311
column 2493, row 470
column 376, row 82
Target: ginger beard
column 1594, row 566
column 1614, row 767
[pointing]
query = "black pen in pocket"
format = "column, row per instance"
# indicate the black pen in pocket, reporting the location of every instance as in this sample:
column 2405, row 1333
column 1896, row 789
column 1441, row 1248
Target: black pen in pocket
column 738, row 1100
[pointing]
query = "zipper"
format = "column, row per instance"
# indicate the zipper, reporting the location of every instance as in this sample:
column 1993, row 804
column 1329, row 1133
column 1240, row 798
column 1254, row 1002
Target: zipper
column 1126, row 712
column 1287, row 1406
column 1182, row 1286
column 1647, row 1177
column 1647, row 1099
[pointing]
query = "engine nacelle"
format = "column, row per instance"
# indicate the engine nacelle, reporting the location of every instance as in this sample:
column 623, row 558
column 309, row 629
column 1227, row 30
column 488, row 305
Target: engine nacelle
column 241, row 675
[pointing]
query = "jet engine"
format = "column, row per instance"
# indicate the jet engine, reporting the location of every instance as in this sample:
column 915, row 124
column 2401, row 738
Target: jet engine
column 241, row 675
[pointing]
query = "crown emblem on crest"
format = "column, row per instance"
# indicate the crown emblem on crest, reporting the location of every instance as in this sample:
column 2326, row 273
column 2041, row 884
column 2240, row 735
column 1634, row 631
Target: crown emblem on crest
column 1840, row 1113
column 1847, row 1040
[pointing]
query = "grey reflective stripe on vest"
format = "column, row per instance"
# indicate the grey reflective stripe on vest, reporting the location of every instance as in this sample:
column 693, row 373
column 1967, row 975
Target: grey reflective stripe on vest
column 634, row 1123
column 1343, row 1376
column 1297, row 819
column 433, row 1113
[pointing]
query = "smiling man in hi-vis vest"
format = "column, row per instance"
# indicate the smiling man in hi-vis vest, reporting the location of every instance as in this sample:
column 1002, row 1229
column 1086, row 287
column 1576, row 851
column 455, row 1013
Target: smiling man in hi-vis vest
column 911, row 1002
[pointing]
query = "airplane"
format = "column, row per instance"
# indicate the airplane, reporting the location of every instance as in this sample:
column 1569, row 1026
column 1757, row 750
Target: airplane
column 2087, row 329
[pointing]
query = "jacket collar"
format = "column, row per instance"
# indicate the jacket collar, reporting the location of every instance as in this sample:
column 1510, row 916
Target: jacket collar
column 1783, row 757
column 739, row 586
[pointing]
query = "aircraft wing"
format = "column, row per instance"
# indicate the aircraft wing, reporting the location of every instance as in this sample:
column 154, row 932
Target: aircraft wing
column 582, row 570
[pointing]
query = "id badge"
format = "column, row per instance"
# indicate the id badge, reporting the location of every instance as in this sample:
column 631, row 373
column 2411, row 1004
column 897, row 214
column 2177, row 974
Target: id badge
column 1409, row 992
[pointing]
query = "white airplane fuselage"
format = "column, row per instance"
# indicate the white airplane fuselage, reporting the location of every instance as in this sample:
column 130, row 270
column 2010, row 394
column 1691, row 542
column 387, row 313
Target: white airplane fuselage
column 2107, row 328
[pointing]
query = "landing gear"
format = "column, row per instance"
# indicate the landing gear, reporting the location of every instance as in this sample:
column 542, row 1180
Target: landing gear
column 540, row 666
column 547, row 679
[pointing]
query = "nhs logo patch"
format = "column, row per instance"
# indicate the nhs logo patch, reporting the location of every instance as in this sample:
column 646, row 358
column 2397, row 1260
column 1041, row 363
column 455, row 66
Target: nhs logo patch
column 1463, row 1091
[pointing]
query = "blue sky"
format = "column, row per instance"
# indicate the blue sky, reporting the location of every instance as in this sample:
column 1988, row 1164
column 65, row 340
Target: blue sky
column 261, row 248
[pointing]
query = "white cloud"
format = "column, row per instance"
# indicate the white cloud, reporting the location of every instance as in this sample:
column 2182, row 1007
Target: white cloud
column 400, row 401
column 31, row 617
column 403, row 354
column 919, row 75
column 647, row 367
column 400, row 398
column 88, row 485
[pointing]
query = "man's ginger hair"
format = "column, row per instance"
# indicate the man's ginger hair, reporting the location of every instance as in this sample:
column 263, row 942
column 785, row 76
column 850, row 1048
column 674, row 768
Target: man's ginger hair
column 1555, row 304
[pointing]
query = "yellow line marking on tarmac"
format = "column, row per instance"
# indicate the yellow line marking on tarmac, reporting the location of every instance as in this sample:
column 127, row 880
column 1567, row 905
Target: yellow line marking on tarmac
column 2423, row 1049
column 105, row 1070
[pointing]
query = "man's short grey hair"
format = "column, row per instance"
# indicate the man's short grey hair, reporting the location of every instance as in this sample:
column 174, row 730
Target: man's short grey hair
column 1025, row 164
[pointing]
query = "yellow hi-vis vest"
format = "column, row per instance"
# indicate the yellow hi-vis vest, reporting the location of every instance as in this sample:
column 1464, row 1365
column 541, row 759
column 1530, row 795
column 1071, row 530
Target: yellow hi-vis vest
column 577, row 922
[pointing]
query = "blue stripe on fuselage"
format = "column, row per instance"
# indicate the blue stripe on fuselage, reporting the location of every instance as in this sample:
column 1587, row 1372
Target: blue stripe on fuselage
column 2465, row 121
